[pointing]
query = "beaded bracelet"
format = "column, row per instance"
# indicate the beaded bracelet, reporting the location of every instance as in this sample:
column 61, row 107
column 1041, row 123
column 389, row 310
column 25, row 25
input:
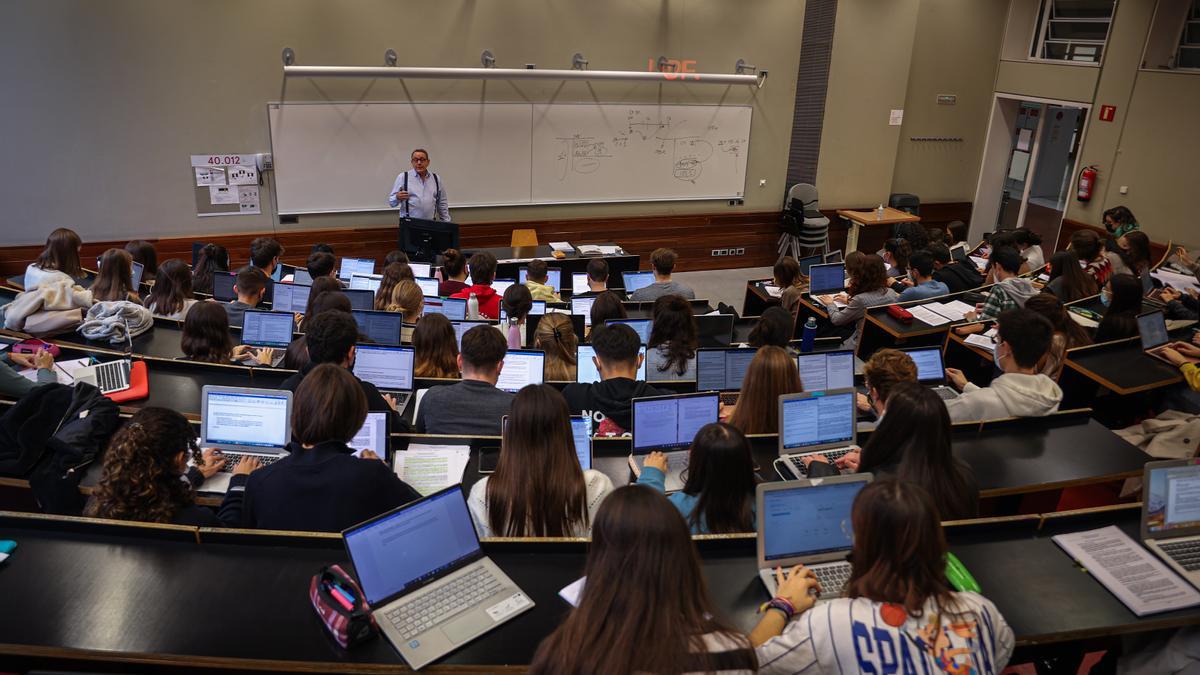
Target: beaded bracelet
column 782, row 605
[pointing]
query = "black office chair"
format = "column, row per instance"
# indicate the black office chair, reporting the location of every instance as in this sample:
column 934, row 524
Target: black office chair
column 908, row 203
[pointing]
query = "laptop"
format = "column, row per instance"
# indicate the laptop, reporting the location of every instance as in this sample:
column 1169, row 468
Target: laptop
column 1152, row 328
column 429, row 584
column 501, row 285
column 553, row 277
column 579, row 283
column 522, row 367
column 368, row 282
column 834, row 256
column 429, row 285
column 583, row 306
column 723, row 370
column 454, row 309
column 268, row 329
column 135, row 277
column 360, row 298
column 390, row 369
column 639, row 326
column 461, row 328
column 291, row 297
column 930, row 370
column 1171, row 514
column 537, row 308
column 668, row 424
column 373, row 435
column 586, row 371
column 808, row 522
column 244, row 422
column 421, row 269
column 109, row 377
column 807, row 262
column 581, row 433
column 223, row 286
column 826, row 279
column 714, row 330
column 815, row 423
column 637, row 280
column 384, row 328
column 820, row 371
column 301, row 276
column 352, row 266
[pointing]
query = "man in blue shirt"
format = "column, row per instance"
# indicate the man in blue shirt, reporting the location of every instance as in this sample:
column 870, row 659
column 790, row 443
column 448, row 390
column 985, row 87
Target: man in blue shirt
column 920, row 272
column 418, row 192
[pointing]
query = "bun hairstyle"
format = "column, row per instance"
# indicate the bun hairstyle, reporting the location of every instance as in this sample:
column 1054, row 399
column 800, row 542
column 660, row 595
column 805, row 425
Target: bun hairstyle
column 453, row 263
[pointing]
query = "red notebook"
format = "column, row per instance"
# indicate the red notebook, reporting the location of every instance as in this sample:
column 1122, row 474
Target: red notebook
column 139, row 385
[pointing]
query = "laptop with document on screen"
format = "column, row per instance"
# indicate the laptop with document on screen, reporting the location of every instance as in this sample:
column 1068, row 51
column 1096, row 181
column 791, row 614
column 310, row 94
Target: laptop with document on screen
column 579, row 283
column 429, row 286
column 352, row 266
column 635, row 281
column 390, row 369
column 808, row 522
column 1171, row 514
column 586, row 371
column 421, row 269
column 583, row 306
column 521, row 367
column 826, row 370
column 291, row 297
column 815, row 423
column 385, row 328
column 668, row 424
column 930, row 370
column 370, row 282
column 501, row 285
column 454, row 309
column 244, row 422
column 826, row 279
column 723, row 370
column 373, row 435
column 430, row 587
column 261, row 328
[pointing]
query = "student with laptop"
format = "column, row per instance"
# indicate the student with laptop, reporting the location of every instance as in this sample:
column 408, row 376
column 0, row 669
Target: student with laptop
column 483, row 273
column 264, row 255
column 718, row 494
column 597, row 280
column 212, row 259
column 774, row 328
column 58, row 261
column 1068, row 281
column 788, row 279
column 143, row 253
column 665, row 621
column 868, row 287
column 1122, row 300
column 897, row 598
column 556, row 337
column 297, row 352
column 920, row 281
column 474, row 406
column 671, row 349
column 321, row 264
column 1022, row 339
column 663, row 261
column 607, row 402
column 250, row 286
column 114, row 279
column 331, row 337
column 171, row 295
column 536, row 280
column 454, row 273
column 1009, row 291
column 517, row 302
column 539, row 488
column 771, row 374
column 1068, row 334
column 406, row 299
column 435, row 347
column 1186, row 357
column 206, row 338
column 606, row 306
column 957, row 275
column 15, row 385
column 881, row 373
column 319, row 486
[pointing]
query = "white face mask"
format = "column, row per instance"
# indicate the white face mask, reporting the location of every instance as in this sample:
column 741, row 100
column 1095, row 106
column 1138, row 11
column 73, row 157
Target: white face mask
column 996, row 358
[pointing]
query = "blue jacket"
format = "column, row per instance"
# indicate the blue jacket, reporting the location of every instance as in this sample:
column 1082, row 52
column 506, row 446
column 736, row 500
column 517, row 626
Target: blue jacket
column 684, row 502
column 923, row 290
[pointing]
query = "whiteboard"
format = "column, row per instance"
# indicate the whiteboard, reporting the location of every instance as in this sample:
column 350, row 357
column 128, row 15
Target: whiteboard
column 334, row 157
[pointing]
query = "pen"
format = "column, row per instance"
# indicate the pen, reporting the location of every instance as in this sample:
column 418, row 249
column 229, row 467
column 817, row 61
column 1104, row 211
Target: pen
column 341, row 599
column 342, row 589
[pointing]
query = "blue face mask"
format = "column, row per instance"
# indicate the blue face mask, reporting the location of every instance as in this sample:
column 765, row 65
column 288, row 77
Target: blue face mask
column 1105, row 298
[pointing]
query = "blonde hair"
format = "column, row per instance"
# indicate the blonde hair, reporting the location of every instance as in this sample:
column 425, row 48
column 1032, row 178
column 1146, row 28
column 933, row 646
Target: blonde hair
column 408, row 300
column 556, row 336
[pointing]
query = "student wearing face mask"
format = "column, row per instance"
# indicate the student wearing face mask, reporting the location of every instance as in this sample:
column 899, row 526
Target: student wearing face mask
column 920, row 281
column 1023, row 338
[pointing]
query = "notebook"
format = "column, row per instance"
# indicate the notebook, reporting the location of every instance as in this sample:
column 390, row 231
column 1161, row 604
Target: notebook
column 379, row 327
column 522, row 367
column 585, row 368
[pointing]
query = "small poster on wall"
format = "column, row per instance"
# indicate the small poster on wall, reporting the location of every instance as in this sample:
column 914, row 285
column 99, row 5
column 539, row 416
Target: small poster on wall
column 226, row 184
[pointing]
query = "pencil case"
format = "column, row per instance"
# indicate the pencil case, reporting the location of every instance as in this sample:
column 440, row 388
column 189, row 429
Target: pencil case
column 900, row 314
column 341, row 605
column 31, row 346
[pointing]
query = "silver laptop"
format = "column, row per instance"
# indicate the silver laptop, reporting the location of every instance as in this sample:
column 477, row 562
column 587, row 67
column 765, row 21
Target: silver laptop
column 723, row 370
column 826, row 279
column 390, row 369
column 522, row 367
column 820, row 371
column 373, row 435
column 109, row 377
column 931, row 372
column 244, row 422
column 422, row 571
column 1152, row 328
column 808, row 522
column 267, row 329
column 586, row 371
column 668, row 424
column 815, row 423
column 1171, row 514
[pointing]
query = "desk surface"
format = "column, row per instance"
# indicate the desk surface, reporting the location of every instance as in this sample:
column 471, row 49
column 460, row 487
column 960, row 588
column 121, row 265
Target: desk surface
column 1122, row 367
column 890, row 216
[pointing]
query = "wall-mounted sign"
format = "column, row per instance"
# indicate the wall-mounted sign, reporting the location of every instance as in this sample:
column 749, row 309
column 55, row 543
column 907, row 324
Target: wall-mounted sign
column 947, row 99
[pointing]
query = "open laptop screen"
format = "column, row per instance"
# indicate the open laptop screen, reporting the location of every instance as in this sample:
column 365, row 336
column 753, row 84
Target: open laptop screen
column 454, row 309
column 411, row 544
column 223, row 286
column 352, row 266
column 829, row 278
column 929, row 364
column 360, row 298
column 637, row 280
column 808, row 520
column 722, row 369
column 826, row 370
column 579, row 282
column 807, row 262
column 581, row 431
column 429, row 286
column 834, row 256
column 812, row 420
column 1152, row 327
column 1173, row 498
column 267, row 329
column 585, row 368
column 368, row 282
column 538, row 307
column 301, row 276
column 521, row 367
column 671, row 422
column 639, row 326
column 380, row 327
column 291, row 297
column 373, row 435
column 388, row 368
column 583, row 306
column 253, row 418
column 421, row 269
column 461, row 328
column 501, row 285
column 553, row 277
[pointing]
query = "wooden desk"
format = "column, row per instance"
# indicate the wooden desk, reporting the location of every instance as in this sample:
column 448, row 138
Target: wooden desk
column 757, row 299
column 1120, row 367
column 856, row 219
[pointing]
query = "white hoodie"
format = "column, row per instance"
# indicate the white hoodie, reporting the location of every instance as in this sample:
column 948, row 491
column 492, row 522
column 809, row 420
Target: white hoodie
column 1010, row 395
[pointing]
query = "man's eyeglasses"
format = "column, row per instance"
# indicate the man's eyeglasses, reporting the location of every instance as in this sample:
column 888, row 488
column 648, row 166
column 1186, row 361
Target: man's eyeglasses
column 419, row 159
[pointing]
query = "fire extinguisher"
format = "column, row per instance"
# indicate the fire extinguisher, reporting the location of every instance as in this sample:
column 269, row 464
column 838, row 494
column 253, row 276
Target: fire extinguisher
column 1087, row 183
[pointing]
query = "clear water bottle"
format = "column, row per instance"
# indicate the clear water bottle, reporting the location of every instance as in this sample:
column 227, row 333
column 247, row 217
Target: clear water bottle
column 879, row 212
column 809, row 335
column 473, row 307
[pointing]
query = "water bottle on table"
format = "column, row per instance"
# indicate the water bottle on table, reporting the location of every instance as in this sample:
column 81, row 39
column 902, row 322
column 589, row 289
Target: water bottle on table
column 809, row 335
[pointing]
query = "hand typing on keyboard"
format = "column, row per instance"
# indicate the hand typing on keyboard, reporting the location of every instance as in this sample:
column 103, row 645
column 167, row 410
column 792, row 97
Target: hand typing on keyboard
column 247, row 354
column 849, row 462
column 809, row 459
column 211, row 461
column 799, row 587
column 246, row 466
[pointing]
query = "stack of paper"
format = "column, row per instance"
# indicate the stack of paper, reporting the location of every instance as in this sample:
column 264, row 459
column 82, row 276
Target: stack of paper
column 773, row 291
column 925, row 315
column 1138, row 578
column 562, row 246
column 598, row 249
column 429, row 468
column 955, row 310
column 1175, row 280
column 981, row 341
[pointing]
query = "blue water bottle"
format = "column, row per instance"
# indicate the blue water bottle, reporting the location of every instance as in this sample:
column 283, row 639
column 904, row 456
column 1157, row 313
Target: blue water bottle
column 809, row 335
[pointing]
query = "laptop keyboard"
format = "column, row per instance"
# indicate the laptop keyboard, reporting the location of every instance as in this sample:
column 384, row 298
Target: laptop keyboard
column 945, row 393
column 232, row 459
column 112, row 376
column 1186, row 553
column 833, row 579
column 832, row 455
column 424, row 612
column 729, row 398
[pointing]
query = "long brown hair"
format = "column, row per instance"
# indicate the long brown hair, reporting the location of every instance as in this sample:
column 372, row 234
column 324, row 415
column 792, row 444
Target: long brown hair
column 871, row 276
column 607, row 305
column 538, row 488
column 393, row 274
column 899, row 548
column 720, row 474
column 213, row 258
column 556, row 337
column 144, row 252
column 1050, row 307
column 771, row 374
column 206, row 334
column 61, row 253
column 320, row 286
column 407, row 299
column 674, row 327
column 141, row 479
column 1076, row 283
column 434, row 347
column 330, row 406
column 172, row 287
column 114, row 281
column 645, row 605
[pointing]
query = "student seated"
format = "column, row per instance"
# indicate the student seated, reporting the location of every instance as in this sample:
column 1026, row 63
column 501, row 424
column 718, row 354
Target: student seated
column 774, row 328
column 617, row 360
column 538, row 489
column 264, row 254
column 920, row 282
column 206, row 338
column 536, row 278
column 58, row 261
column 1023, row 338
column 912, row 443
column 1068, row 334
column 320, row 486
column 663, row 261
column 772, row 373
column 143, row 252
column 718, row 495
column 320, row 264
column 1086, row 244
column 881, row 373
column 435, row 347
column 15, row 385
column 895, row 254
column 1122, row 300
column 146, row 476
column 1183, row 355
column 1029, row 243
column 393, row 274
column 171, row 296
column 517, row 302
column 597, row 279
column 671, row 354
column 296, row 356
column 483, row 273
column 957, row 276
column 321, row 247
column 789, row 280
column 1005, row 239
column 868, row 287
column 1068, row 281
column 454, row 273
column 321, row 287
column 114, row 279
column 407, row 300
column 474, row 406
column 645, row 607
column 393, row 256
column 1119, row 221
column 556, row 337
column 213, row 258
column 897, row 591
column 1133, row 252
column 331, row 337
column 607, row 305
column 250, row 286
column 1010, row 291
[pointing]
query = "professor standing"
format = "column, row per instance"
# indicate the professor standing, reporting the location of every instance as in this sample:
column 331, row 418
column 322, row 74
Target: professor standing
column 420, row 193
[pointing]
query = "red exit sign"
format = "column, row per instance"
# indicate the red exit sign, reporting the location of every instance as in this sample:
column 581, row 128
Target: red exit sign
column 1107, row 113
